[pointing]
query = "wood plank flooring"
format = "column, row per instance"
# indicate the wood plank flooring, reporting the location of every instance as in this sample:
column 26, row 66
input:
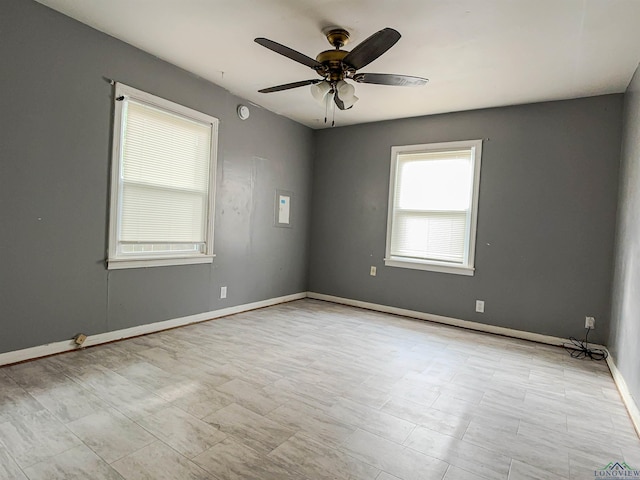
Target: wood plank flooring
column 312, row 390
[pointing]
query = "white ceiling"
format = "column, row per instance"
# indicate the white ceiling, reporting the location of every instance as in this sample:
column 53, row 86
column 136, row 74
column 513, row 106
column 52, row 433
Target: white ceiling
column 476, row 53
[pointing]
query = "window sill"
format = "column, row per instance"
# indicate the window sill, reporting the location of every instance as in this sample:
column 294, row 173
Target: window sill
column 429, row 266
column 142, row 262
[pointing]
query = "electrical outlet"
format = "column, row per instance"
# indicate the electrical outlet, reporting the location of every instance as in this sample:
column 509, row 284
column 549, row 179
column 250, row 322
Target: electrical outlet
column 590, row 322
column 480, row 306
column 223, row 292
column 373, row 271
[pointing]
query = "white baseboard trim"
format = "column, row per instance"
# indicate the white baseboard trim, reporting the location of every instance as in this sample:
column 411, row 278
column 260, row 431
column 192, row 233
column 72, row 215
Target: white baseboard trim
column 456, row 322
column 625, row 393
column 68, row 345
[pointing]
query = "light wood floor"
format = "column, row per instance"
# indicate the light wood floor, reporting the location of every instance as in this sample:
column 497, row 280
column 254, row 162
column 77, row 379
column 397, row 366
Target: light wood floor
column 312, row 390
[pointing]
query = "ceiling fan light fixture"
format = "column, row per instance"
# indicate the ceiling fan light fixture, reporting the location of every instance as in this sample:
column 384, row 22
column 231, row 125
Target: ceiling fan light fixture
column 346, row 93
column 350, row 103
column 345, row 90
column 319, row 91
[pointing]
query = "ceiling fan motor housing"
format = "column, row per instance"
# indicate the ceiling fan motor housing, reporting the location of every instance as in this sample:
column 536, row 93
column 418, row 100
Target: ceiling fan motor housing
column 332, row 61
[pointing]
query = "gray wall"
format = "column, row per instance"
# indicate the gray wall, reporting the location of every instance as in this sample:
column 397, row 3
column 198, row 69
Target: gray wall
column 625, row 312
column 55, row 129
column 546, row 220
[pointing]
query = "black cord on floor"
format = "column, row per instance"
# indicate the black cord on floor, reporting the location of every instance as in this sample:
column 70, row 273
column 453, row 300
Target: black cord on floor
column 580, row 349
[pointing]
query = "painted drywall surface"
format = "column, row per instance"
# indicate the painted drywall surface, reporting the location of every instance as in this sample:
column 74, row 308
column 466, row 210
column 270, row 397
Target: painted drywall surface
column 546, row 219
column 625, row 312
column 55, row 124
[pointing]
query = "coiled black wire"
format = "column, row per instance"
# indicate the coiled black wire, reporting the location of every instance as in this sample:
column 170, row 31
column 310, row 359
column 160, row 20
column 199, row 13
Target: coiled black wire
column 580, row 349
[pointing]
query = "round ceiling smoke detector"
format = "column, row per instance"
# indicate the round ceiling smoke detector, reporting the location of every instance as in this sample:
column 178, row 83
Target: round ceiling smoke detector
column 243, row 112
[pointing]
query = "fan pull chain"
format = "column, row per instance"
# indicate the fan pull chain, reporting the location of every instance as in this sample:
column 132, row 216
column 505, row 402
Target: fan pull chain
column 333, row 111
column 327, row 99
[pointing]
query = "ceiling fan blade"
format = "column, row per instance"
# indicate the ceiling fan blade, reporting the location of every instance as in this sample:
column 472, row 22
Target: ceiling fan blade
column 370, row 49
column 288, row 52
column 390, row 79
column 287, row 86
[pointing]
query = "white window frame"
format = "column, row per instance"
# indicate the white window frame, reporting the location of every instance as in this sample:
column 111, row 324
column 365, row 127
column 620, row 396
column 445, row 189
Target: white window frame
column 468, row 266
column 117, row 259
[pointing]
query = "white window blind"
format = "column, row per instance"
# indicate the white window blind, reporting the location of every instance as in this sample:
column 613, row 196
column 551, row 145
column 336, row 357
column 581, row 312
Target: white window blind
column 431, row 212
column 165, row 177
column 162, row 194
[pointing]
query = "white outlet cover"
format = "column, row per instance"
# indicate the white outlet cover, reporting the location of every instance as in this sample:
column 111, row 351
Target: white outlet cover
column 480, row 306
column 223, row 292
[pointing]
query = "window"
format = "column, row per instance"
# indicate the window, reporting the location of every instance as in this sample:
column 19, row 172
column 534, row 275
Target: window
column 433, row 206
column 162, row 183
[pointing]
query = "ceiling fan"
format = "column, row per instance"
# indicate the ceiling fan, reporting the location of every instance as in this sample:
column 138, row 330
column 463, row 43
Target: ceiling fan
column 337, row 66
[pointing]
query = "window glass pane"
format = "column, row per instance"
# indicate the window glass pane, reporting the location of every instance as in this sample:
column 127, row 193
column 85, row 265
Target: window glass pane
column 433, row 184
